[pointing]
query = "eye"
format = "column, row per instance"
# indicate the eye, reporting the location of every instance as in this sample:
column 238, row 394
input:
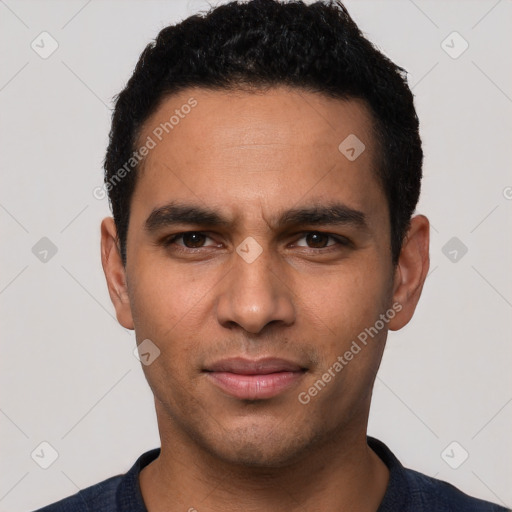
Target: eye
column 189, row 240
column 319, row 240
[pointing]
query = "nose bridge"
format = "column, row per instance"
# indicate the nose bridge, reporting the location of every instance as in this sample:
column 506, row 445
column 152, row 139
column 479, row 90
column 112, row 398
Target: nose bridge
column 252, row 271
column 254, row 294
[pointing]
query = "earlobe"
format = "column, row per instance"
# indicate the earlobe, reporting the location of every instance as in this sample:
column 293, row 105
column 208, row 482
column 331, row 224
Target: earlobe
column 115, row 273
column 411, row 271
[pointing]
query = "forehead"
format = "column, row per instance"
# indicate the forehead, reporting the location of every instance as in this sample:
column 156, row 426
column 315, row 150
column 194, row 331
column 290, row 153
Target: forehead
column 239, row 149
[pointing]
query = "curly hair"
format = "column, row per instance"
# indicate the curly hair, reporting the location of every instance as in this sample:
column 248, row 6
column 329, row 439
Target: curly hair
column 267, row 43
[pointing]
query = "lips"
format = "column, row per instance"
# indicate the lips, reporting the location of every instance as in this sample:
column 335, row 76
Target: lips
column 249, row 379
column 243, row 366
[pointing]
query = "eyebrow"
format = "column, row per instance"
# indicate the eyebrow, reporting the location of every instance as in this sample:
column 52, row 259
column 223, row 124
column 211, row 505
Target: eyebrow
column 313, row 215
column 176, row 213
column 323, row 215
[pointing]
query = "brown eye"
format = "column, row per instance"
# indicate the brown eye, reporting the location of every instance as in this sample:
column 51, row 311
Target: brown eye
column 317, row 240
column 193, row 240
column 321, row 240
column 189, row 240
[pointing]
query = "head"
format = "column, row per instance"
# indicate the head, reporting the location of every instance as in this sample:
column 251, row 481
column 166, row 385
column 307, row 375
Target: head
column 293, row 163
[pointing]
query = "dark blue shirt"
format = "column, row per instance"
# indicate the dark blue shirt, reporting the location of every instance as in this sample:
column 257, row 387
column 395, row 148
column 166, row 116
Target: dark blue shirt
column 408, row 491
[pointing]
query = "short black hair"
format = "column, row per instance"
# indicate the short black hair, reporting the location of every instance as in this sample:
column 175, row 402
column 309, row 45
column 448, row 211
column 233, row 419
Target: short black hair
column 267, row 43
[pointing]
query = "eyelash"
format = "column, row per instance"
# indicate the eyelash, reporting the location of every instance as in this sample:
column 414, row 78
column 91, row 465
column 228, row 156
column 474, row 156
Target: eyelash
column 340, row 241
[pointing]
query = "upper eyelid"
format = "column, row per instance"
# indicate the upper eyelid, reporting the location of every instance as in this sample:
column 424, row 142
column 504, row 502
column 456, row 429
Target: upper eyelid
column 330, row 235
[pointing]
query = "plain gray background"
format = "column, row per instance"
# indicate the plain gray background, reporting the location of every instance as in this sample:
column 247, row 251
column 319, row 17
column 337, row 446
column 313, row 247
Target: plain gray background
column 68, row 373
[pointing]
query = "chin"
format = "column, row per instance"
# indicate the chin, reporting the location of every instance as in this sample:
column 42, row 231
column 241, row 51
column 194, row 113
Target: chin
column 258, row 447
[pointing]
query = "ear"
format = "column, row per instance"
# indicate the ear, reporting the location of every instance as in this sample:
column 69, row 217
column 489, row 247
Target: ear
column 115, row 273
column 411, row 271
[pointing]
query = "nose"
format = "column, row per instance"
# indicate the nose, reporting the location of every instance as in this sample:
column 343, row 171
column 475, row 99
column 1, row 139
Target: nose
column 254, row 295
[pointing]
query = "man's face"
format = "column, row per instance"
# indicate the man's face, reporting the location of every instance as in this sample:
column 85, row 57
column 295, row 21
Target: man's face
column 269, row 166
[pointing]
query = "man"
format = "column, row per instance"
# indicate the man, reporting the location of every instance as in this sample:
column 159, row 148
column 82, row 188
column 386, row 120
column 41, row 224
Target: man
column 263, row 168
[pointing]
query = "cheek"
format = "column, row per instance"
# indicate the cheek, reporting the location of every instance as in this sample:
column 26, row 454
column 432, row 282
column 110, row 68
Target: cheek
column 170, row 320
column 164, row 296
column 337, row 317
column 337, row 313
column 346, row 300
column 169, row 306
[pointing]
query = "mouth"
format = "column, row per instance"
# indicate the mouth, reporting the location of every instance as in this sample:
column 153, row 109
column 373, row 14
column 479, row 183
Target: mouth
column 249, row 379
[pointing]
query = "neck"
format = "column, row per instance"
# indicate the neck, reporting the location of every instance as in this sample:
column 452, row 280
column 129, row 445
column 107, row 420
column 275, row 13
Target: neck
column 341, row 475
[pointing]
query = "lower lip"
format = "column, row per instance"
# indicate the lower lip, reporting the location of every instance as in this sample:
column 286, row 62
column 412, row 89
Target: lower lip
column 255, row 387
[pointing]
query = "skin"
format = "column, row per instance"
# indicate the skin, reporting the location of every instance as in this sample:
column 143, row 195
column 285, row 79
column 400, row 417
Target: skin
column 252, row 156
